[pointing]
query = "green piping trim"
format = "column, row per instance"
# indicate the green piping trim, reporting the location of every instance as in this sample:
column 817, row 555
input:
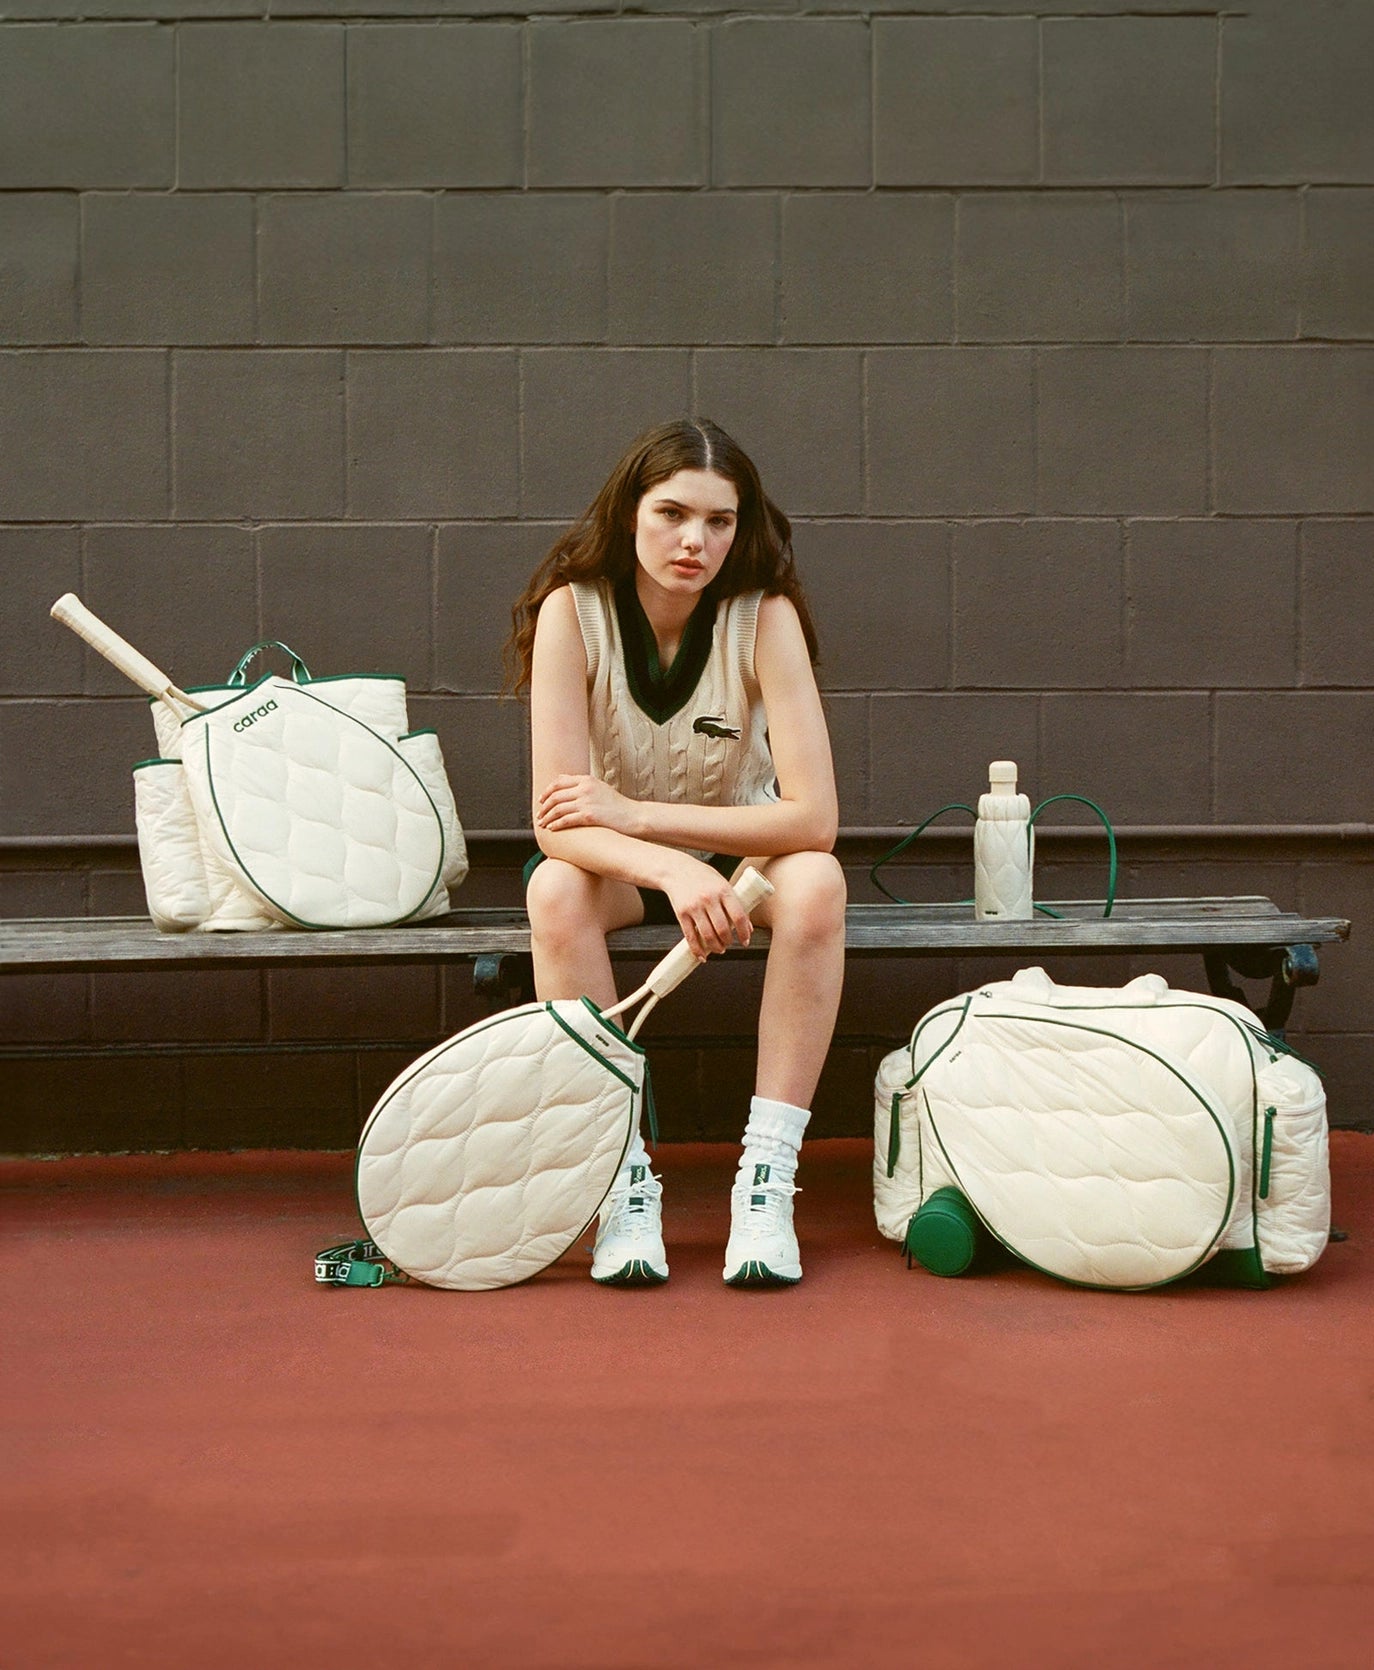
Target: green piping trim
column 630, row 1127
column 140, row 764
column 328, row 927
column 425, row 730
column 1250, row 1035
column 610, row 1025
column 230, row 691
column 591, row 1050
column 234, row 696
column 894, row 1139
column 1102, row 1287
column 340, row 678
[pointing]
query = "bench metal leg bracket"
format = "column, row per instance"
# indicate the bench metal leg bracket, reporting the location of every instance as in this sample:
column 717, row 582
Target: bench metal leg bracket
column 1286, row 967
column 503, row 979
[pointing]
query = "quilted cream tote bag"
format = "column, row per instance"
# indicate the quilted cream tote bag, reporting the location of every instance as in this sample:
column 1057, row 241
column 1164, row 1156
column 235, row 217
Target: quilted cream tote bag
column 286, row 802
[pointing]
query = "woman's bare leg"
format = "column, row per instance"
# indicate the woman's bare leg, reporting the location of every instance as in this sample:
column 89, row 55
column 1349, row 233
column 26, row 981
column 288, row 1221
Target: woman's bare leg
column 571, row 911
column 801, row 988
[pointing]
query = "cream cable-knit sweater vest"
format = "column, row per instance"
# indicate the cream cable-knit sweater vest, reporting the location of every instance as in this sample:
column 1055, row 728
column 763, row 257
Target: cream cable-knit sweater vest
column 714, row 749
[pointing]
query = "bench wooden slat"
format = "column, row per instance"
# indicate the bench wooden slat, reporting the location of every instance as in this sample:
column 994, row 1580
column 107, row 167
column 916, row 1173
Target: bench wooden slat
column 96, row 944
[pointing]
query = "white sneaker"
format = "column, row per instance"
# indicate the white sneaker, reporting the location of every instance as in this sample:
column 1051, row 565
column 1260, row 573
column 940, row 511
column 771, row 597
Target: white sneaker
column 762, row 1250
column 629, row 1239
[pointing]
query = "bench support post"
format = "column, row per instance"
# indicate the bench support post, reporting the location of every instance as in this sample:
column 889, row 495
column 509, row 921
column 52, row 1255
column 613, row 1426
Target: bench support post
column 503, row 979
column 1286, row 967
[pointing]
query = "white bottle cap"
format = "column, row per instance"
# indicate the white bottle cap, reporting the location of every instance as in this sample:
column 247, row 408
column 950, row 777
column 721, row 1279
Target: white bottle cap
column 1002, row 777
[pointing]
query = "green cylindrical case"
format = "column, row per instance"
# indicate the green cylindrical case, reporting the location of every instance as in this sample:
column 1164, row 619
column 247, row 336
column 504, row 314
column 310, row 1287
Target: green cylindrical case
column 946, row 1235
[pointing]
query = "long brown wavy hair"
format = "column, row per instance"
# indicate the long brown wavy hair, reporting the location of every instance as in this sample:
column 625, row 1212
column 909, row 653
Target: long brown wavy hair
column 601, row 544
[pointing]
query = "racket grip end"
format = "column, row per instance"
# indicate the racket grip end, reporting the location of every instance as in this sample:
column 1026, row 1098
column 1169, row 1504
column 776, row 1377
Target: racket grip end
column 753, row 888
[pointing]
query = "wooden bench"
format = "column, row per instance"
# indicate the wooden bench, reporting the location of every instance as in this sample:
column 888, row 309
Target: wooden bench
column 1246, row 936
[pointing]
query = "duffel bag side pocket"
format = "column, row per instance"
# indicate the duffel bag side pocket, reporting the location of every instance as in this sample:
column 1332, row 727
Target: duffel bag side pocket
column 169, row 847
column 422, row 751
column 1293, row 1186
column 895, row 1198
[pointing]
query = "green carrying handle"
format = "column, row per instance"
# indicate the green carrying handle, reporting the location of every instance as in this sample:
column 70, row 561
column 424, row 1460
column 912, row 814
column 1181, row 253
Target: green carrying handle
column 1111, row 847
column 905, row 842
column 299, row 671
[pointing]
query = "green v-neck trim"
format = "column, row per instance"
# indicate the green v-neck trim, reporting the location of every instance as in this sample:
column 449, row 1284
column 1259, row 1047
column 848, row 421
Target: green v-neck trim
column 656, row 693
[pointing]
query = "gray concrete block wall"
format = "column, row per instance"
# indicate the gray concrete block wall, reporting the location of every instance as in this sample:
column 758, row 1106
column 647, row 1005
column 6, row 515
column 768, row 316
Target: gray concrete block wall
column 1049, row 322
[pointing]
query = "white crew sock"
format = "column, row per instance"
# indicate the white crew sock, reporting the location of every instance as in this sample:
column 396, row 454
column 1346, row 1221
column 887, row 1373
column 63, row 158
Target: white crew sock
column 635, row 1155
column 773, row 1137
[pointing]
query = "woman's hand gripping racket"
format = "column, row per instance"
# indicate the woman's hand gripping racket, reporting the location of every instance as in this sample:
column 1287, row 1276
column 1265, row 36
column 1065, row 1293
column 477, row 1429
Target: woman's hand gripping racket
column 72, row 612
column 752, row 888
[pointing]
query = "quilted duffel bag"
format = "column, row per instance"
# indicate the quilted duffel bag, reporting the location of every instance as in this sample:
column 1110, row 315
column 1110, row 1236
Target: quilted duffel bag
column 1117, row 1138
column 302, row 802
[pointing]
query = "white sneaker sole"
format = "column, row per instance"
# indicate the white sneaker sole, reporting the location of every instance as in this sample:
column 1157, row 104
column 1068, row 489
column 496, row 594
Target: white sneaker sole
column 753, row 1272
column 637, row 1272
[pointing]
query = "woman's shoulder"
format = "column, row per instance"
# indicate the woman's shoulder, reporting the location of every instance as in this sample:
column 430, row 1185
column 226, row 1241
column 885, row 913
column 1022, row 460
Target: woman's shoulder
column 777, row 616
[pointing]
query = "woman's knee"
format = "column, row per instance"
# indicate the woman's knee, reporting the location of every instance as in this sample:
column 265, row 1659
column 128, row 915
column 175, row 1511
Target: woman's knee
column 810, row 895
column 566, row 904
column 560, row 900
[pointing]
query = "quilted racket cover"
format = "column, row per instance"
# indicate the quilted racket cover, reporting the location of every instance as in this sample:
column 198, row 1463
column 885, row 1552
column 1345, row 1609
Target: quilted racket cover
column 315, row 812
column 1091, row 1157
column 487, row 1158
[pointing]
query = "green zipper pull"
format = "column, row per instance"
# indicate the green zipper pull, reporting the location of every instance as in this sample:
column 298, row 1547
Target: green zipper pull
column 894, row 1133
column 1268, row 1153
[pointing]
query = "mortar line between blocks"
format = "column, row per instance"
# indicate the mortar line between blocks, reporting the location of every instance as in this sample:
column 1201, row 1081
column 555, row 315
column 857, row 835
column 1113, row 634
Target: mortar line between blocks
column 1216, row 105
column 1209, row 422
column 257, row 578
column 1214, row 751
column 432, row 277
column 169, row 394
column 176, row 109
column 955, row 230
column 1039, row 101
column 525, row 48
column 345, row 429
column 434, row 607
column 345, row 161
column 1299, row 623
column 777, row 269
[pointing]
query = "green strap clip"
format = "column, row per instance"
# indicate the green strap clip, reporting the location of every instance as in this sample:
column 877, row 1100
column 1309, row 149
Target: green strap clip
column 356, row 1264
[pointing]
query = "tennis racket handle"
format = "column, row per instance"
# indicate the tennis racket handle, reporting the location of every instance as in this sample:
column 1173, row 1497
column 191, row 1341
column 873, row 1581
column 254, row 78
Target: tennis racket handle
column 71, row 611
column 752, row 888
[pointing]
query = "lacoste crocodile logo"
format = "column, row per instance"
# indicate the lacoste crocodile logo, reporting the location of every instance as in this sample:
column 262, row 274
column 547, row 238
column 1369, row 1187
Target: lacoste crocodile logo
column 707, row 726
column 257, row 713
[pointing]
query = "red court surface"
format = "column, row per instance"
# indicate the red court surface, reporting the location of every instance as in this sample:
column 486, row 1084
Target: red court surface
column 213, row 1463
